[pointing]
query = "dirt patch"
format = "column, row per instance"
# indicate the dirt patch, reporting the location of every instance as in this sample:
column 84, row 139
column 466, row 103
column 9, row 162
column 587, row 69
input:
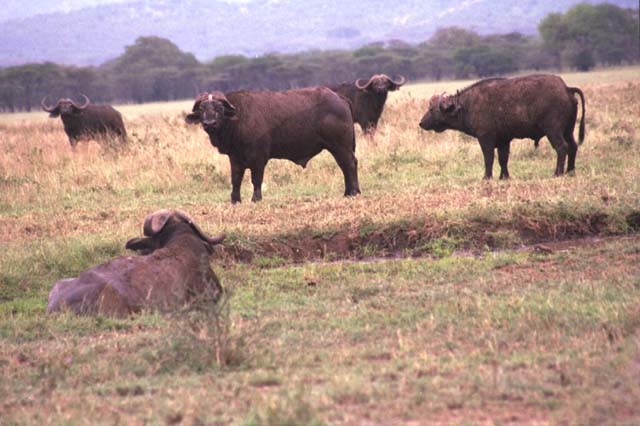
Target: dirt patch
column 418, row 238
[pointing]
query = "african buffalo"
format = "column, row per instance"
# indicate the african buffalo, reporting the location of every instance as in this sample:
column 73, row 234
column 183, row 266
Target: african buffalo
column 88, row 120
column 173, row 269
column 497, row 110
column 368, row 98
column 253, row 127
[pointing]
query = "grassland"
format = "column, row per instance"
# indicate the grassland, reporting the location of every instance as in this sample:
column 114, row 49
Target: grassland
column 432, row 297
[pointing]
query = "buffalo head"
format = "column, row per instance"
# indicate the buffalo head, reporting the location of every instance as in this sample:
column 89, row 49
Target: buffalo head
column 211, row 109
column 443, row 113
column 64, row 107
column 380, row 84
column 162, row 226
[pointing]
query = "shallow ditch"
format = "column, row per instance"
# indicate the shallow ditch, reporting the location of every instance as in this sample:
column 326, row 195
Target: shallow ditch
column 420, row 238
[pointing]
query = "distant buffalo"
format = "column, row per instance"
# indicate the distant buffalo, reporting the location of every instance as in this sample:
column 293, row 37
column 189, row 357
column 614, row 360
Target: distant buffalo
column 88, row 120
column 253, row 127
column 368, row 98
column 497, row 110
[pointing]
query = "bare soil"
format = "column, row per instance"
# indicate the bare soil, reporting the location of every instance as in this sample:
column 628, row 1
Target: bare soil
column 418, row 238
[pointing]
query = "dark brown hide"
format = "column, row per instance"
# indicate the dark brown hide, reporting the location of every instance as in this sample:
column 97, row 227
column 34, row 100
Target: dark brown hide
column 368, row 98
column 254, row 127
column 497, row 110
column 173, row 269
column 88, row 121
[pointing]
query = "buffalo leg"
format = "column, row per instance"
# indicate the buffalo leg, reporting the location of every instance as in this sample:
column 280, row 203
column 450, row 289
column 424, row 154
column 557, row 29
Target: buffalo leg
column 257, row 173
column 503, row 159
column 488, row 152
column 536, row 143
column 561, row 147
column 348, row 163
column 369, row 129
column 237, row 173
column 573, row 151
column 122, row 136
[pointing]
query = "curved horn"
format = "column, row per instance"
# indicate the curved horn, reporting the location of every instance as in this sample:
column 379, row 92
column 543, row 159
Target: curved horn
column 86, row 102
column 211, row 240
column 400, row 82
column 361, row 87
column 155, row 221
column 219, row 96
column 228, row 104
column 199, row 99
column 45, row 107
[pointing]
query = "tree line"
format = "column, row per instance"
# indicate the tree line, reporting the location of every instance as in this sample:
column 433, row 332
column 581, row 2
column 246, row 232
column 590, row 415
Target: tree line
column 155, row 69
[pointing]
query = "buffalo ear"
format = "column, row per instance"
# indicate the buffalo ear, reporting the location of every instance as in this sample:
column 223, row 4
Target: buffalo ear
column 55, row 113
column 448, row 106
column 193, row 118
column 229, row 110
column 143, row 245
column 155, row 222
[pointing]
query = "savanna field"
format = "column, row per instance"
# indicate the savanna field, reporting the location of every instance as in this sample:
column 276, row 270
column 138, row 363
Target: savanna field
column 433, row 298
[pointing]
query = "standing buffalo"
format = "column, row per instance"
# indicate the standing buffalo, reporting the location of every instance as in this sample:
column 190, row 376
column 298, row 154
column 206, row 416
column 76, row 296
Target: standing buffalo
column 368, row 98
column 497, row 110
column 88, row 120
column 253, row 127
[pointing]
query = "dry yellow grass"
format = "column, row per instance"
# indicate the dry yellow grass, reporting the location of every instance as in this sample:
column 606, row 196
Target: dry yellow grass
column 48, row 190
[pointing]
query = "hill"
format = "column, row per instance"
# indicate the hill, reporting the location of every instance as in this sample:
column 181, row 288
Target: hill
column 93, row 35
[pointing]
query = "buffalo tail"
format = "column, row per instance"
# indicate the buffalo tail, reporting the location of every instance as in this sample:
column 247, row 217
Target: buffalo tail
column 575, row 90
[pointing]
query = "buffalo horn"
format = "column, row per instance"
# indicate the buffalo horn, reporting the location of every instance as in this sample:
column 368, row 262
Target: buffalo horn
column 359, row 86
column 155, row 221
column 85, row 104
column 211, row 240
column 44, row 105
column 399, row 82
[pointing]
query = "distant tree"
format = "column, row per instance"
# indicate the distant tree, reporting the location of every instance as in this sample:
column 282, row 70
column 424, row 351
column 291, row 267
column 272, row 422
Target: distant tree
column 371, row 49
column 153, row 69
column 454, row 38
column 483, row 60
column 555, row 35
column 589, row 34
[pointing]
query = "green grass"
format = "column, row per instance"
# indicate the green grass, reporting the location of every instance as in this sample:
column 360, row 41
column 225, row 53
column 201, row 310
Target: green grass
column 391, row 341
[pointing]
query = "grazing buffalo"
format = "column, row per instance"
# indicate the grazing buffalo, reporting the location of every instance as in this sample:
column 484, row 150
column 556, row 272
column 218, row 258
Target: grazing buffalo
column 497, row 110
column 172, row 270
column 368, row 98
column 253, row 127
column 88, row 120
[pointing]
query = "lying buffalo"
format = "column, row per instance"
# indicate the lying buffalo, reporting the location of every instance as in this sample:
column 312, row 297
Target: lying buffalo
column 497, row 110
column 253, row 127
column 172, row 270
column 368, row 98
column 88, row 120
